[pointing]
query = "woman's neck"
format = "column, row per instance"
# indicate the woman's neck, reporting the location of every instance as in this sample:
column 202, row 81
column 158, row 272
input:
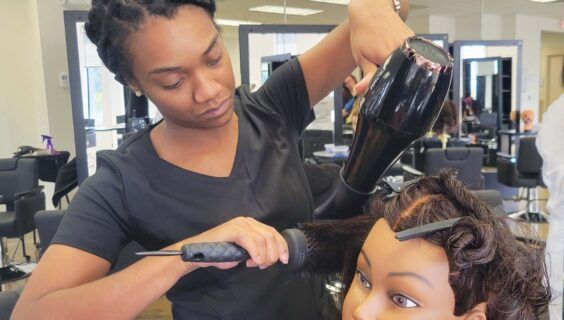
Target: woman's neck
column 169, row 138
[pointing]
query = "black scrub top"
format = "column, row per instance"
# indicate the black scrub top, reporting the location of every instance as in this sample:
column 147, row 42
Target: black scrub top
column 135, row 195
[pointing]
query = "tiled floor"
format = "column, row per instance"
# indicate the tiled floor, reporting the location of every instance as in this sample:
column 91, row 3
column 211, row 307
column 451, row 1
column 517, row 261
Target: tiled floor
column 160, row 309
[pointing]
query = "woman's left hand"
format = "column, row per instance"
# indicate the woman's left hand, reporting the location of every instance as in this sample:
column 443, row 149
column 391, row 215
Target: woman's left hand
column 376, row 31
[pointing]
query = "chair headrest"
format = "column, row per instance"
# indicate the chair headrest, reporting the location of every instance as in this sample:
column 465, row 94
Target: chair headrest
column 9, row 164
column 457, row 154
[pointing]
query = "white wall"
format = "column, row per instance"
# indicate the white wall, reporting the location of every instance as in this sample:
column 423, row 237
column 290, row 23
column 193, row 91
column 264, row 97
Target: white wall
column 23, row 112
column 419, row 24
column 528, row 29
column 230, row 37
column 552, row 45
column 54, row 53
column 439, row 24
column 468, row 27
column 491, row 27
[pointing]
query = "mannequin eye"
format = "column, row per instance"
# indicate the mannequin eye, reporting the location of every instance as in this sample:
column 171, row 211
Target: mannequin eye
column 402, row 301
column 363, row 279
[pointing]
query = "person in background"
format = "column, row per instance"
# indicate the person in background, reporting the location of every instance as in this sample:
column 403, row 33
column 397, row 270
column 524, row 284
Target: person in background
column 349, row 94
column 469, row 107
column 446, row 123
column 222, row 165
column 551, row 149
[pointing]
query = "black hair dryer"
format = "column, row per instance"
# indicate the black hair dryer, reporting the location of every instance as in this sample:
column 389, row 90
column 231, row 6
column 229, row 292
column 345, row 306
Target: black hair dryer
column 403, row 101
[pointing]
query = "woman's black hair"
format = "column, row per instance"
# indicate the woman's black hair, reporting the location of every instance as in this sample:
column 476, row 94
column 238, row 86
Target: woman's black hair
column 486, row 262
column 111, row 21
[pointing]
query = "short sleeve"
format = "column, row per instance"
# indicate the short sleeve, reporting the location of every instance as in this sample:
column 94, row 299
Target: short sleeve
column 96, row 219
column 285, row 92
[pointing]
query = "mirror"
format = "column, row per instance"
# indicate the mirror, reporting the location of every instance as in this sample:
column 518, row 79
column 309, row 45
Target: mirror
column 486, row 86
column 480, row 86
column 273, row 45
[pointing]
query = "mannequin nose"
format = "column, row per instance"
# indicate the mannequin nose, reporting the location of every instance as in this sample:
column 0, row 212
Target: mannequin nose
column 370, row 309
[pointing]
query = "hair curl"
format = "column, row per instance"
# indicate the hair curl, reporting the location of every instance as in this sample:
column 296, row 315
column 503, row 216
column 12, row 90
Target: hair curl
column 486, row 262
column 110, row 22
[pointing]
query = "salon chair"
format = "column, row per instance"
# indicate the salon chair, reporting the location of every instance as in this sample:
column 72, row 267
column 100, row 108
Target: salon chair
column 23, row 197
column 524, row 171
column 49, row 165
column 466, row 163
column 420, row 150
column 67, row 180
column 486, row 127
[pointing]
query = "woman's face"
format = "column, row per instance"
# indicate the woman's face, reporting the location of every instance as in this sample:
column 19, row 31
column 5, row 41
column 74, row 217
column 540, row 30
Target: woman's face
column 182, row 65
column 399, row 280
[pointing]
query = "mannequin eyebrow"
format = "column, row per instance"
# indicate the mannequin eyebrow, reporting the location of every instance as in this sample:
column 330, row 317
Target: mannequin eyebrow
column 411, row 274
column 365, row 258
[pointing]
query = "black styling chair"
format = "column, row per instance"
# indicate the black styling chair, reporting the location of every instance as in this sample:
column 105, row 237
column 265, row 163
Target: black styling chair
column 523, row 172
column 67, row 180
column 466, row 163
column 23, row 197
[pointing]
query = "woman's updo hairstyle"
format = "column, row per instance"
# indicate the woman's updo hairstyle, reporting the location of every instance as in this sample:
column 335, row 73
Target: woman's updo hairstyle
column 111, row 21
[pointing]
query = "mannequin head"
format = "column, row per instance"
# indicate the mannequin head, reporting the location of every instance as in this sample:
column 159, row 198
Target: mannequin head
column 456, row 273
column 389, row 285
column 527, row 116
column 460, row 272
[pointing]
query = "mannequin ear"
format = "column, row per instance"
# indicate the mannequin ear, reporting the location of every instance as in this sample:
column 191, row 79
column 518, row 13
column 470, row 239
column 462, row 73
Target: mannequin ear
column 477, row 313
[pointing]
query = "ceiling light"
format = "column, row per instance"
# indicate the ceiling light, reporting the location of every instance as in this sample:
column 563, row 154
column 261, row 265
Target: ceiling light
column 288, row 10
column 234, row 23
column 343, row 2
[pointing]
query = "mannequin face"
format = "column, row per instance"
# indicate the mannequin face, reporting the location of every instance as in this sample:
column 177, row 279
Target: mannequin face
column 400, row 280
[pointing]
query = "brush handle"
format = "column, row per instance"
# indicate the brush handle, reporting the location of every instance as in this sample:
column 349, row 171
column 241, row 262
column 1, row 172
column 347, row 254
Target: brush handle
column 213, row 252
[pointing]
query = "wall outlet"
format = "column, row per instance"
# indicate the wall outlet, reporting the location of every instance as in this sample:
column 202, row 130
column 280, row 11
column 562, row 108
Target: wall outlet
column 63, row 80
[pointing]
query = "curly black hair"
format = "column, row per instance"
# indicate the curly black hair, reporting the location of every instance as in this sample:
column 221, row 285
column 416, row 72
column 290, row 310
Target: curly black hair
column 111, row 21
column 487, row 263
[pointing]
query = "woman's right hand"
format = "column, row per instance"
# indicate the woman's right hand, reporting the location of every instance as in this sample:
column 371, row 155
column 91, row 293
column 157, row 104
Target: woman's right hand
column 264, row 244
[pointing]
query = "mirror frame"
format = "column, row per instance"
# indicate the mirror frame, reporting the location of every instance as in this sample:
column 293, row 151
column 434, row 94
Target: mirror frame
column 71, row 18
column 457, row 78
column 436, row 37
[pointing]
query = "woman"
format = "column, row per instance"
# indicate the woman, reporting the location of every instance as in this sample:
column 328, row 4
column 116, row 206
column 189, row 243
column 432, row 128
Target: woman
column 349, row 94
column 221, row 166
column 472, row 270
column 446, row 123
